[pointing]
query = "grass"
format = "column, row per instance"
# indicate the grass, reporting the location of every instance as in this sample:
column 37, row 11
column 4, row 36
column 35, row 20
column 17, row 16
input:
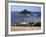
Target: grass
column 28, row 25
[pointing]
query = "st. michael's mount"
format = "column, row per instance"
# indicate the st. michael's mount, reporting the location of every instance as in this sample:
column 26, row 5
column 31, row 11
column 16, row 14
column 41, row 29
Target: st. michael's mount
column 25, row 13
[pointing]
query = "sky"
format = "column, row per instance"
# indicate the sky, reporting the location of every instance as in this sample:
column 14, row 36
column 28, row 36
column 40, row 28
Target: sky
column 29, row 8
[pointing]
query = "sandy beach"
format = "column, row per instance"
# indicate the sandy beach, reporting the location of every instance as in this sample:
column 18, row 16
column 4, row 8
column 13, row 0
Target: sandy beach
column 20, row 28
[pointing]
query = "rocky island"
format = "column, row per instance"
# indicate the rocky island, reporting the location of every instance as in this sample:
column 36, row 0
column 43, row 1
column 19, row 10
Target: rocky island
column 25, row 13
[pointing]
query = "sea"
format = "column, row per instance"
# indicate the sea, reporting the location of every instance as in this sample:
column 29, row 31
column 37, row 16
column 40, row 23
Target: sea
column 35, row 17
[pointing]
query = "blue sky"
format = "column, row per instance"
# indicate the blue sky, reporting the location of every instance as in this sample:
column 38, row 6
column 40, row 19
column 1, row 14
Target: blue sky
column 29, row 8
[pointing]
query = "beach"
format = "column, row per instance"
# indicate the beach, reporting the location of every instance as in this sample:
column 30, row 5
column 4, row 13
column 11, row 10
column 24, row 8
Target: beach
column 21, row 28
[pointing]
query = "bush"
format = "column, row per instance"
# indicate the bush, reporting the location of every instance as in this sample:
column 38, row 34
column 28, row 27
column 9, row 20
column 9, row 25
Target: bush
column 38, row 24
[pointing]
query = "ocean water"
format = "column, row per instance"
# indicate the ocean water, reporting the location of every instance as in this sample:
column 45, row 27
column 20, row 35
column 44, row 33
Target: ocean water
column 36, row 17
